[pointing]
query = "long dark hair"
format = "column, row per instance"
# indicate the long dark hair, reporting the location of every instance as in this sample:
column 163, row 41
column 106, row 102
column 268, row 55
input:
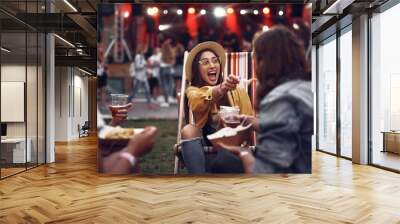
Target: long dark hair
column 196, row 77
column 280, row 57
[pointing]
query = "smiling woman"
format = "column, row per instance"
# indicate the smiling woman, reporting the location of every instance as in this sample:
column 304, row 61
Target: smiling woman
column 208, row 92
column 205, row 72
column 206, row 67
column 209, row 67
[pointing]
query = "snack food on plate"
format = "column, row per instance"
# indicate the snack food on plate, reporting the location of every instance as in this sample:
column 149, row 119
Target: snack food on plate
column 223, row 132
column 119, row 133
column 231, row 136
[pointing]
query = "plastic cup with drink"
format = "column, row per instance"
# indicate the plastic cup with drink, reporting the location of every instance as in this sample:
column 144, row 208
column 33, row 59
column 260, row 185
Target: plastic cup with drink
column 229, row 116
column 118, row 101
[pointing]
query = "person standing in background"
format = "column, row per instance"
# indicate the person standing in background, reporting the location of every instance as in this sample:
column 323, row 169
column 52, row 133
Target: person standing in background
column 303, row 31
column 179, row 53
column 247, row 38
column 154, row 67
column 166, row 71
column 102, row 78
column 140, row 80
column 230, row 41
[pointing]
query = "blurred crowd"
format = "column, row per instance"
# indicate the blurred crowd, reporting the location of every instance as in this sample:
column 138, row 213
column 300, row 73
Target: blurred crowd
column 156, row 69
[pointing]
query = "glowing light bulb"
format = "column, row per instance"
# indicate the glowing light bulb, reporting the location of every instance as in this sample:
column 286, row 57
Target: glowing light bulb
column 191, row 10
column 266, row 10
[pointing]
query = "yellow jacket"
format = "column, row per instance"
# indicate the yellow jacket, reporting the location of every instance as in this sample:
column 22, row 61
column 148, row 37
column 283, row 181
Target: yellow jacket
column 202, row 105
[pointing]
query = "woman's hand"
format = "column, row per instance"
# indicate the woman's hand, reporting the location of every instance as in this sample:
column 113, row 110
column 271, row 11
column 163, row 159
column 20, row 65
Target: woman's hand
column 119, row 114
column 229, row 83
column 142, row 142
column 244, row 154
column 247, row 119
column 139, row 145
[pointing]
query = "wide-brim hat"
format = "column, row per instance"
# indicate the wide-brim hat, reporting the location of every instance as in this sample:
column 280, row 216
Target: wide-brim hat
column 209, row 45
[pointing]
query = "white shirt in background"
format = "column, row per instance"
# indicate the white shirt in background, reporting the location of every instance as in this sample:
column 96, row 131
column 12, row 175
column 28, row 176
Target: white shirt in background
column 155, row 60
column 140, row 67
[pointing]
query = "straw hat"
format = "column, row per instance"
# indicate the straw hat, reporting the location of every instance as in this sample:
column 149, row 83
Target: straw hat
column 211, row 45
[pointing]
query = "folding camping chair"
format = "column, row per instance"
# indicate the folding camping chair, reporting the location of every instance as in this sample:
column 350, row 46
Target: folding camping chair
column 237, row 63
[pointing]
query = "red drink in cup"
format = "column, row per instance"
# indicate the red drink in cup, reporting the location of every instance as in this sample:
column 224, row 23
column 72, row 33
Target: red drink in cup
column 118, row 101
column 115, row 109
column 229, row 116
column 231, row 122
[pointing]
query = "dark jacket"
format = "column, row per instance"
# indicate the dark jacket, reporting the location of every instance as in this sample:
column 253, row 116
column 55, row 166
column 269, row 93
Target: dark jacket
column 286, row 127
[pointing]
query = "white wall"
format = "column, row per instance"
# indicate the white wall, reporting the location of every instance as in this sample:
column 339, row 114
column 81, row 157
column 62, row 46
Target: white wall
column 81, row 100
column 12, row 73
column 61, row 104
column 71, row 94
column 16, row 73
column 34, row 124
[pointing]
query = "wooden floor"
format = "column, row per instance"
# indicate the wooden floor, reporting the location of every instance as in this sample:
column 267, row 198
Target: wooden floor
column 70, row 191
column 10, row 171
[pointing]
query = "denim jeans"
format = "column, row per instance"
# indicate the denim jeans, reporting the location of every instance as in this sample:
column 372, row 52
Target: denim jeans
column 167, row 82
column 197, row 162
column 178, row 71
column 193, row 155
column 141, row 84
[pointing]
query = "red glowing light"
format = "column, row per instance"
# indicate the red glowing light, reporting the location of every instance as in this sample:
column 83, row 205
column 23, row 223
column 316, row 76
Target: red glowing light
column 191, row 10
column 266, row 10
column 155, row 10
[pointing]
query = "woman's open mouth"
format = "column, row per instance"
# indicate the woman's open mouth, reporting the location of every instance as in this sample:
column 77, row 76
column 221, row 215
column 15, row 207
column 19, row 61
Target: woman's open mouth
column 212, row 75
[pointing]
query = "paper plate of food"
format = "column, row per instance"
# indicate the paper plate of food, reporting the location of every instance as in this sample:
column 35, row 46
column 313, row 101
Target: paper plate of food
column 112, row 139
column 231, row 136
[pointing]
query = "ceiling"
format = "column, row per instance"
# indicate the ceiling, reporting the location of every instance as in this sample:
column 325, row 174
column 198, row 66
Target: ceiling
column 79, row 27
column 330, row 15
column 76, row 24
